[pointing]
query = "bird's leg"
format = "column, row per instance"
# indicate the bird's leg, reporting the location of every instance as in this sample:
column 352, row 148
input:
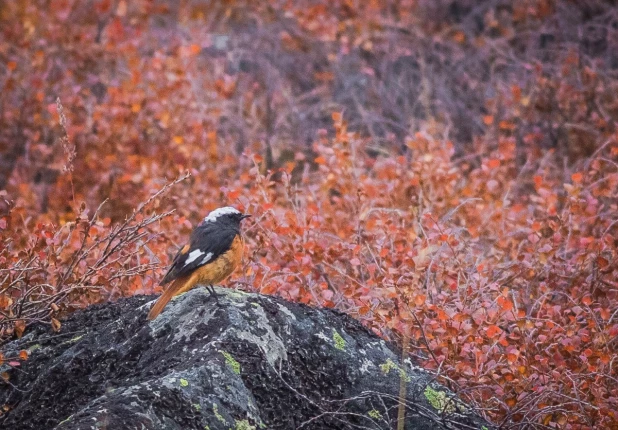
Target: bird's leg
column 212, row 292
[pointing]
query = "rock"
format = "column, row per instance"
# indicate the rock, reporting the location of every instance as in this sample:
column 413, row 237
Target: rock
column 249, row 362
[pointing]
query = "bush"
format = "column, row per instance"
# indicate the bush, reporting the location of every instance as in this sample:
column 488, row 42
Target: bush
column 444, row 172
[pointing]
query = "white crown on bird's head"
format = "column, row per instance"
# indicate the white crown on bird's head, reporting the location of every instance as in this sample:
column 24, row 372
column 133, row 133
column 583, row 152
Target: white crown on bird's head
column 227, row 210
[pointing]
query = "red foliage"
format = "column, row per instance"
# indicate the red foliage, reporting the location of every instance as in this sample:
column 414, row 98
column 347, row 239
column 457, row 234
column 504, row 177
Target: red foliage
column 493, row 249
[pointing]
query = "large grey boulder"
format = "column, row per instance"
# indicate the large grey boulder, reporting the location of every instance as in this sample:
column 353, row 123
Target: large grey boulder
column 247, row 362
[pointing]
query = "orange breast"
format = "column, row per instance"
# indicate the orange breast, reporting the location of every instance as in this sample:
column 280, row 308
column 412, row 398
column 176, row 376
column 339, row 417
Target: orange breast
column 218, row 270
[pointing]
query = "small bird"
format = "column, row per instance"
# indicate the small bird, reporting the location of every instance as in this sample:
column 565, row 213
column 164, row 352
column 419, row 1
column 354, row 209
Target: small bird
column 213, row 252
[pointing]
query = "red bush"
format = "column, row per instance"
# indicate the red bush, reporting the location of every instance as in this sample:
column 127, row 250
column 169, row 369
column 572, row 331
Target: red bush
column 448, row 178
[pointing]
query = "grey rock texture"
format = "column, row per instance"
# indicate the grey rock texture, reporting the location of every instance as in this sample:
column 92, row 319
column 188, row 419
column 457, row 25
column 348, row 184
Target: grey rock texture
column 249, row 362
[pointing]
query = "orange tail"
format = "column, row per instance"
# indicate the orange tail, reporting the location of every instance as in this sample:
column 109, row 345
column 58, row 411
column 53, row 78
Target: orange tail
column 167, row 295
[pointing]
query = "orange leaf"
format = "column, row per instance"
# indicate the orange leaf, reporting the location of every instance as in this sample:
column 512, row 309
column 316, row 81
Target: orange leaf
column 195, row 49
column 55, row 324
column 507, row 125
column 233, row 194
column 459, row 37
column 577, row 177
column 20, row 326
column 420, row 299
column 538, row 181
column 493, row 163
column 5, row 301
column 505, row 304
column 23, row 355
column 493, row 331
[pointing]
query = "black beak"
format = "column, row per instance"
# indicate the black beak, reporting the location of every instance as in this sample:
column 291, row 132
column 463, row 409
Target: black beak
column 245, row 216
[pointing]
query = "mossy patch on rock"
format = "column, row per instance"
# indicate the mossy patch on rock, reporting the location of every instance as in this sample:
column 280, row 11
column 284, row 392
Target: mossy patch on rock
column 244, row 425
column 375, row 414
column 442, row 401
column 339, row 341
column 33, row 348
column 215, row 410
column 231, row 361
column 389, row 365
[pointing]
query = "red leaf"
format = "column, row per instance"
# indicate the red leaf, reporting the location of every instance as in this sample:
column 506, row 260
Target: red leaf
column 320, row 160
column 493, row 331
column 577, row 177
column 505, row 304
column 493, row 163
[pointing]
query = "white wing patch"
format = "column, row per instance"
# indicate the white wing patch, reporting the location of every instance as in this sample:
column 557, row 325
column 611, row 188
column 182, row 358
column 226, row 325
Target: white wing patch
column 206, row 259
column 212, row 217
column 193, row 255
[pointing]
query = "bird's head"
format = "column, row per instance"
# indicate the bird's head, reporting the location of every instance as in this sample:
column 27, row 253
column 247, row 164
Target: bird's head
column 226, row 215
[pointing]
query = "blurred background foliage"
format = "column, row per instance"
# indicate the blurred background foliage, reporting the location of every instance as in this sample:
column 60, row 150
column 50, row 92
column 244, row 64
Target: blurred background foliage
column 445, row 171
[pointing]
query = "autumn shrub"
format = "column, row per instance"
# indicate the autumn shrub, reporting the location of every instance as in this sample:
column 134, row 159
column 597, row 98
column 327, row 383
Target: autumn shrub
column 503, row 278
column 445, row 172
column 48, row 270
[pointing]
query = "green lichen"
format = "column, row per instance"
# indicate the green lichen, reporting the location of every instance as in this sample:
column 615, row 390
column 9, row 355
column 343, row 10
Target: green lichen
column 390, row 365
column 440, row 400
column 244, row 425
column 235, row 294
column 339, row 341
column 484, row 428
column 376, row 415
column 73, row 340
column 34, row 347
column 234, row 365
column 197, row 407
column 184, row 382
column 215, row 410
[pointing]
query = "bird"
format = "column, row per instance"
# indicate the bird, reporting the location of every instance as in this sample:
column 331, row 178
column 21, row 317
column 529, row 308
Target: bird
column 214, row 250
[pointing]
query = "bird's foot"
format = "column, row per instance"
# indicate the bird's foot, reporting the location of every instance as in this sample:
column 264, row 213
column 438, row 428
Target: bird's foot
column 213, row 293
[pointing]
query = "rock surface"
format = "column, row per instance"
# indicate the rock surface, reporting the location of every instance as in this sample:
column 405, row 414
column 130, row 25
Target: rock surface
column 249, row 362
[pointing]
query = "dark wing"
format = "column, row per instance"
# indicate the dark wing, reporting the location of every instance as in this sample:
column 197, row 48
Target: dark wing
column 207, row 243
